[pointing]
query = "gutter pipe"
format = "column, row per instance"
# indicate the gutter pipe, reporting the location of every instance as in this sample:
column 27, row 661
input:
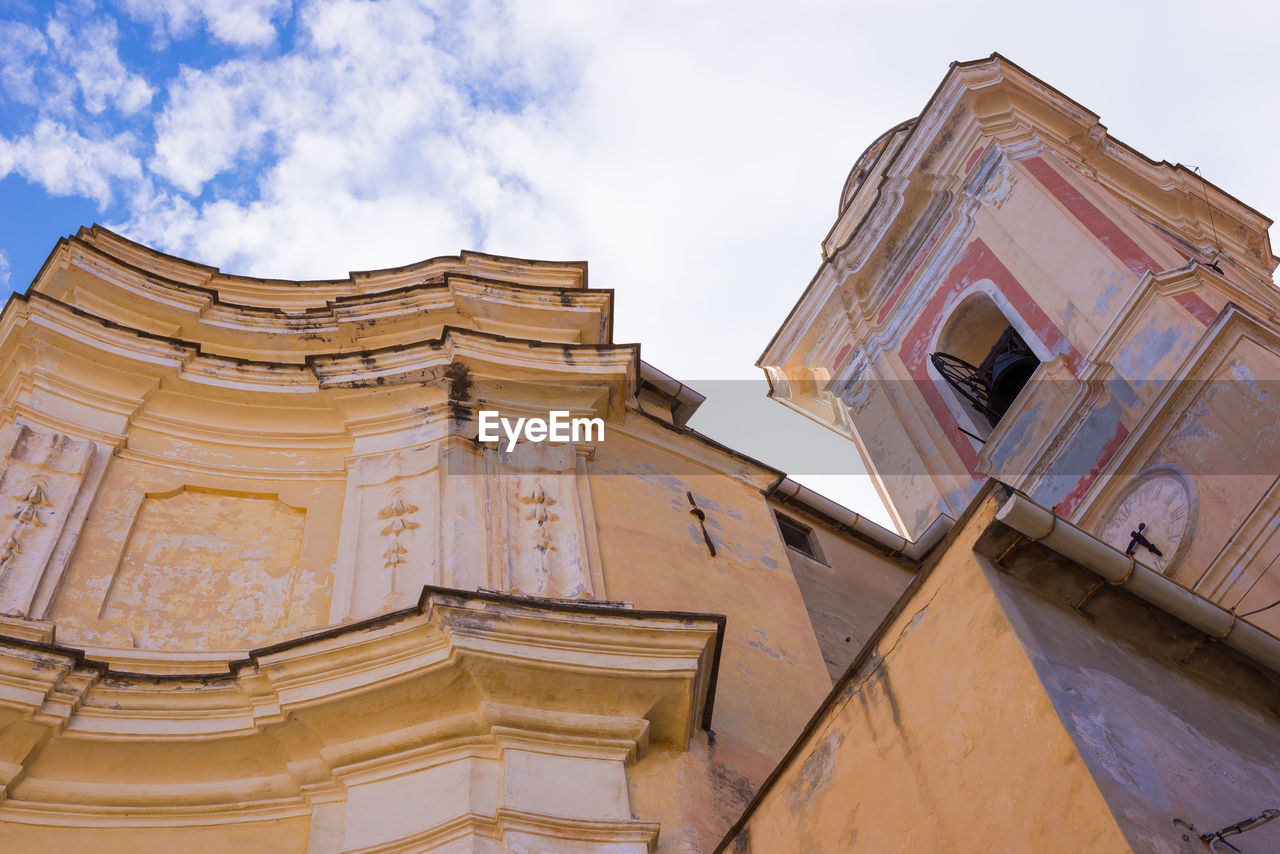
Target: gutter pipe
column 788, row 490
column 1121, row 570
column 685, row 401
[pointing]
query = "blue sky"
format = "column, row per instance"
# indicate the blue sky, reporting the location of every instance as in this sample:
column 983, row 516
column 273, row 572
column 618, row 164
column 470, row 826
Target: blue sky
column 693, row 152
column 150, row 115
column 90, row 77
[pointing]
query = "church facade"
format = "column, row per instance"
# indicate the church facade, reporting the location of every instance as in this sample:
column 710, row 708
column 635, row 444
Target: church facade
column 264, row 586
column 266, row 583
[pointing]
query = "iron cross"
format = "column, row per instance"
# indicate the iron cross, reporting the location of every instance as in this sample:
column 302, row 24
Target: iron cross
column 697, row 513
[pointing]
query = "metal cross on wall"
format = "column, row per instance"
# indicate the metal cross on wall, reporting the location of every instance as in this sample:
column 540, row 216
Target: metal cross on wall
column 698, row 514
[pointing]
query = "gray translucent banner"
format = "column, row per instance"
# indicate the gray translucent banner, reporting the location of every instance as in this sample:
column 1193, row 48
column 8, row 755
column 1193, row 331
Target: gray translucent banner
column 1057, row 429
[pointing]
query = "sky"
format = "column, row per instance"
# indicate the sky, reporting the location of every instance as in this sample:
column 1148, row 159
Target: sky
column 692, row 152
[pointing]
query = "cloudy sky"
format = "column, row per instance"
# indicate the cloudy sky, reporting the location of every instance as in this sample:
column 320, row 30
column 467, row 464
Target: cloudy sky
column 692, row 152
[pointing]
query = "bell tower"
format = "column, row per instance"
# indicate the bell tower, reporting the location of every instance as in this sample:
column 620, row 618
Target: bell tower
column 1009, row 292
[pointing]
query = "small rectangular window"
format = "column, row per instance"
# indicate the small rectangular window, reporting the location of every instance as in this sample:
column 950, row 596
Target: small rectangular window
column 797, row 536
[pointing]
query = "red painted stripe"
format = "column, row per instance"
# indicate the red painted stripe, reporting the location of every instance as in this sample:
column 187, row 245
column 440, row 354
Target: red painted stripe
column 973, row 158
column 838, row 362
column 1099, row 224
column 1197, row 307
column 1067, row 506
column 975, row 263
column 911, row 272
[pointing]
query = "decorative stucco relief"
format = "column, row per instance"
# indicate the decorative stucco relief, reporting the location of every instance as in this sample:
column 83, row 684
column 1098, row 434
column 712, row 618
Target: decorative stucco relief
column 399, row 515
column 43, row 474
column 389, row 546
column 206, row 570
column 541, row 548
column 999, row 186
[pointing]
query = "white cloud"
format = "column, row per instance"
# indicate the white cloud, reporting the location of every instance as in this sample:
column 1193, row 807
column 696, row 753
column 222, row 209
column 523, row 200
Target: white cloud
column 389, row 132
column 235, row 22
column 693, row 153
column 210, row 119
column 20, row 49
column 87, row 44
column 65, row 162
column 563, row 131
column 688, row 151
column 5, row 275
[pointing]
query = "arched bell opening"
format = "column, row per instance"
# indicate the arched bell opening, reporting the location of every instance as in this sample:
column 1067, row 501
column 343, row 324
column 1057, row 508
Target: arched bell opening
column 984, row 360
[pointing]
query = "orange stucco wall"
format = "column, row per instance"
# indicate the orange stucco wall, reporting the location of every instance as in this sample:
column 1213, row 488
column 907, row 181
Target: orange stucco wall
column 942, row 740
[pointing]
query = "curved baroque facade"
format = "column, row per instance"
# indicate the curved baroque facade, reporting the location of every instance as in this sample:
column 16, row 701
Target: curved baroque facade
column 263, row 588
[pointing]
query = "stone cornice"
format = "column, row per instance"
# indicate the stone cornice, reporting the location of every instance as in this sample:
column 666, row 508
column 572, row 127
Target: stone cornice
column 83, row 275
column 103, row 365
column 163, row 326
column 110, row 381
column 496, row 827
column 251, row 290
column 475, row 666
column 516, row 359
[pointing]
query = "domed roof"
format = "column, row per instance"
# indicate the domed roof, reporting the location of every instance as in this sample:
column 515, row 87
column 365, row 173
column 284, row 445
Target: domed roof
column 862, row 167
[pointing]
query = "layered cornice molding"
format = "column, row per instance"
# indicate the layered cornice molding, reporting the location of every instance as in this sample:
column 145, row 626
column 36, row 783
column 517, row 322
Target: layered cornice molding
column 291, row 293
column 340, row 705
column 130, row 324
column 73, row 371
column 288, row 321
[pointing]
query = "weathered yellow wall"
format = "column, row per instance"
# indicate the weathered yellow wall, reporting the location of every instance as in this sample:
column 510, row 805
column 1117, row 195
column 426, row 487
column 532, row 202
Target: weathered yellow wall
column 655, row 557
column 847, row 591
column 943, row 740
column 276, row 836
column 171, row 559
column 1172, row 728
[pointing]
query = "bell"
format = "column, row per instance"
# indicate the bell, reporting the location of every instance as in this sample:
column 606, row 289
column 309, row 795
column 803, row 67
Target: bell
column 1009, row 374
